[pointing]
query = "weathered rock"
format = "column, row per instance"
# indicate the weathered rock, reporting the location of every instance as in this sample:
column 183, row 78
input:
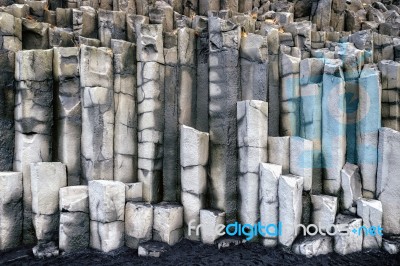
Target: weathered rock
column 301, row 160
column 74, row 231
column 112, row 25
column 311, row 246
column 391, row 246
column 45, row 250
column 371, row 213
column 138, row 223
column 36, row 34
column 324, row 211
column 106, row 237
column 168, row 223
column 211, row 221
column 134, row 191
column 132, row 22
column 321, row 14
column 162, row 13
column 208, row 5
column 74, row 199
column 46, row 227
column 279, row 152
column 351, row 242
column 229, row 241
column 152, row 249
column 351, row 187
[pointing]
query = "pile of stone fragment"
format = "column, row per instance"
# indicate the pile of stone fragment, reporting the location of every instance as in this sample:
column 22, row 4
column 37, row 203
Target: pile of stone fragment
column 125, row 121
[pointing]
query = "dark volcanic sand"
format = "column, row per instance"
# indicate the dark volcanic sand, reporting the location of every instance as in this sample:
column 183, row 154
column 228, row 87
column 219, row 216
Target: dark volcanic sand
column 193, row 253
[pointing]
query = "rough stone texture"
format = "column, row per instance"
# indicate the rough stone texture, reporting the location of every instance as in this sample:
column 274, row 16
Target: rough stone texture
column 301, row 160
column 125, row 129
column 224, row 88
column 348, row 243
column 138, row 223
column 391, row 246
column 371, row 213
column 36, row 34
column 106, row 237
column 388, row 186
column 311, row 246
column 152, row 249
column 74, row 199
column 351, row 188
column 74, row 231
column 134, row 191
column 290, row 207
column 210, row 221
column 324, row 211
column 268, row 198
column 168, row 223
column 11, row 190
column 45, row 250
column 279, row 152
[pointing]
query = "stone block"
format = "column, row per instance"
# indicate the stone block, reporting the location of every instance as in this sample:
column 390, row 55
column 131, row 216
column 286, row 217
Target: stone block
column 311, row 246
column 348, row 243
column 211, row 221
column 351, row 187
column 371, row 213
column 134, row 191
column 74, row 199
column 138, row 223
column 168, row 223
column 324, row 211
column 152, row 249
column 106, row 237
column 301, row 160
column 74, row 231
column 279, row 152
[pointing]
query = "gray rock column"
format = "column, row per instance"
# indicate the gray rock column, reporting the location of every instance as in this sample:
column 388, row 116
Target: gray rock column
column 351, row 188
column 132, row 20
column 224, row 86
column 279, row 152
column 348, row 243
column 324, row 211
column 252, row 137
column 150, row 93
column 127, row 6
column 333, row 125
column 11, row 211
column 33, row 121
column 125, row 129
column 162, row 13
column 321, row 14
column 301, row 160
column 232, row 5
column 371, row 213
column 387, row 185
column 208, row 5
column 138, row 223
column 97, row 96
column 368, row 124
column 210, row 220
column 112, row 25
column 168, row 223
column 68, row 114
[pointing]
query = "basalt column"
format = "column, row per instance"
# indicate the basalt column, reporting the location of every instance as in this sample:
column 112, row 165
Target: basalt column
column 96, row 70
column 224, row 86
column 33, row 121
column 150, row 93
column 125, row 129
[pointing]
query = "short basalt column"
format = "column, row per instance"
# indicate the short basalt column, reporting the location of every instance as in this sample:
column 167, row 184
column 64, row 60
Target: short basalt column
column 97, row 96
column 371, row 213
column 348, row 243
column 351, row 188
column 194, row 157
column 301, row 160
column 252, row 122
column 333, row 125
column 211, row 223
column 168, row 223
column 11, row 211
column 324, row 211
column 68, row 114
column 138, row 223
column 125, row 129
column 279, row 152
column 33, row 121
column 224, row 86
column 150, row 93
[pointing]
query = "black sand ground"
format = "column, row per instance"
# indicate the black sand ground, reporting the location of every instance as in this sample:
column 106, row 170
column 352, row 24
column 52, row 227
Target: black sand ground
column 193, row 253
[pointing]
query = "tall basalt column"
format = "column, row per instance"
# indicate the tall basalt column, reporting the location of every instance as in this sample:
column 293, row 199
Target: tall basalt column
column 33, row 121
column 68, row 112
column 97, row 95
column 254, row 67
column 368, row 124
column 333, row 125
column 150, row 93
column 112, row 25
column 252, row 122
column 224, row 89
column 125, row 129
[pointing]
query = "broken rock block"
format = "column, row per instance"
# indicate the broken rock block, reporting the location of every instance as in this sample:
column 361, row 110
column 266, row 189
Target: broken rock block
column 168, row 223
column 134, row 192
column 348, row 243
column 138, row 223
column 391, row 245
column 106, row 237
column 74, row 199
column 153, row 249
column 74, row 231
column 311, row 246
column 324, row 211
column 212, row 223
column 371, row 213
column 36, row 34
column 351, row 188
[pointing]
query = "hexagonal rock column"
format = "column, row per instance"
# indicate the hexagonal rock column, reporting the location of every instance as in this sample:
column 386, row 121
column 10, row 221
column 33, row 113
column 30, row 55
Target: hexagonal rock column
column 107, row 213
column 74, row 218
column 301, row 160
column 211, row 221
column 97, row 96
column 47, row 179
column 150, row 93
column 301, row 32
column 11, row 36
column 351, row 188
column 194, row 157
column 333, row 125
column 68, row 114
column 279, row 152
column 252, row 137
column 348, row 243
column 311, row 246
column 388, row 186
column 168, row 223
column 290, row 95
column 125, row 128
column 84, row 22
column 290, row 190
column 33, row 121
column 112, row 25
column 371, row 213
column 162, row 13
column 11, row 190
column 224, row 87
column 138, row 223
column 321, row 14
column 268, row 198
column 324, row 211
column 254, row 67
column 368, row 124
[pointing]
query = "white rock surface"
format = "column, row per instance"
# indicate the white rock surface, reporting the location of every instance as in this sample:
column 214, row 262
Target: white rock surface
column 210, row 220
column 371, row 213
column 348, row 243
column 301, row 160
column 74, row 199
column 138, row 223
column 324, row 211
column 351, row 187
column 134, row 191
column 311, row 246
column 106, row 237
column 168, row 223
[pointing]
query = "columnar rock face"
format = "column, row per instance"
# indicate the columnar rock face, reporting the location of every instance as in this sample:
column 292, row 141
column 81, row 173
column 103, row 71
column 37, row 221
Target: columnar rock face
column 368, row 124
column 68, row 114
column 351, row 188
column 279, row 152
column 125, row 129
column 268, row 198
column 321, row 14
column 388, row 186
column 134, row 191
column 252, row 138
column 371, row 213
column 194, row 157
column 33, row 121
column 333, row 125
column 11, row 211
column 324, row 211
column 150, row 96
column 97, row 98
column 290, row 207
column 301, row 160
column 168, row 223
column 348, row 243
column 138, row 223
column 46, row 181
column 211, row 221
column 311, row 246
column 74, row 218
column 107, row 214
column 224, row 87
column 112, row 25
